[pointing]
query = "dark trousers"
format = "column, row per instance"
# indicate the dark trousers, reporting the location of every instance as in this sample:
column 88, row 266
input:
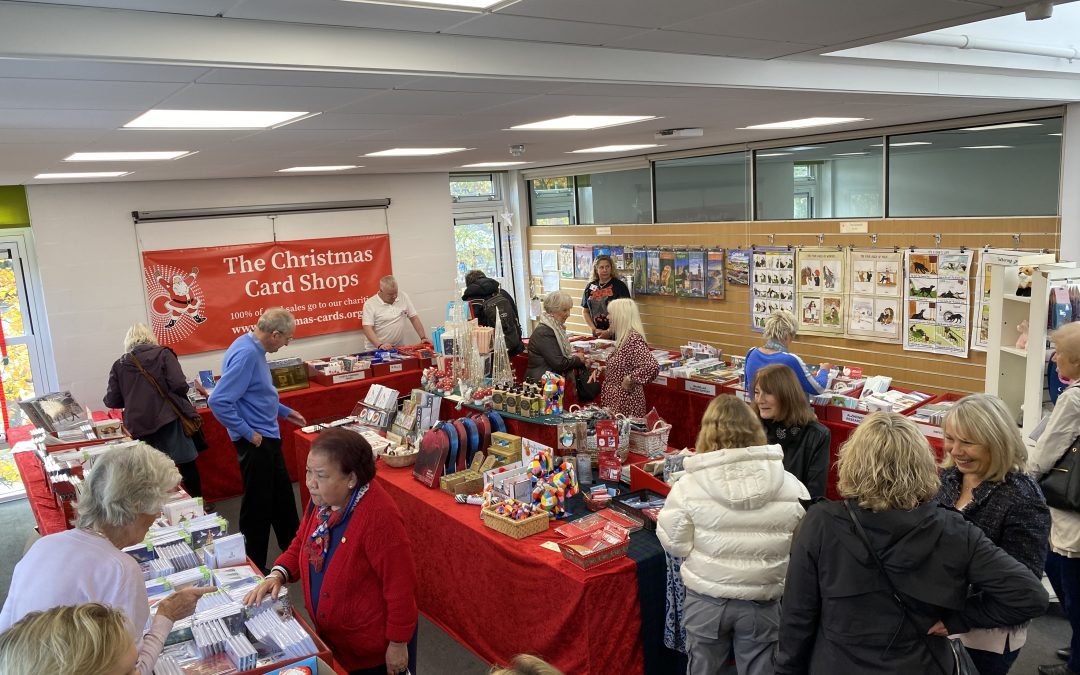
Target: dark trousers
column 268, row 498
column 989, row 663
column 1064, row 576
column 381, row 669
column 190, row 475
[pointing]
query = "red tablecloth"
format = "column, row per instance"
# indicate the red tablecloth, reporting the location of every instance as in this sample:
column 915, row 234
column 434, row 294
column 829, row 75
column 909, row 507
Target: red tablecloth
column 49, row 517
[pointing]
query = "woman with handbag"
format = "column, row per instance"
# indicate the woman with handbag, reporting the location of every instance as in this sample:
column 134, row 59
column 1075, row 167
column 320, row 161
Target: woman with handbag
column 1054, row 461
column 876, row 583
column 147, row 382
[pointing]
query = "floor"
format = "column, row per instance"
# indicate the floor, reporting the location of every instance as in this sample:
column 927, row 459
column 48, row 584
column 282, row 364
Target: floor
column 439, row 654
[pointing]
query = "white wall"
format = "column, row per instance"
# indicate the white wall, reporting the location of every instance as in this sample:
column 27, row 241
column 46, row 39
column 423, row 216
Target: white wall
column 1070, row 182
column 91, row 271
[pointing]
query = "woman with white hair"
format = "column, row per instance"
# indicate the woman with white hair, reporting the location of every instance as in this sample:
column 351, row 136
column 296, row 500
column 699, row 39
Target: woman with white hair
column 118, row 501
column 148, row 383
column 549, row 347
column 780, row 329
column 631, row 366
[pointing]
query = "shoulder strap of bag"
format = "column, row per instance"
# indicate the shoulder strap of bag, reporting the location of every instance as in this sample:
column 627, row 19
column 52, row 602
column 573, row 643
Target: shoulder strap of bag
column 892, row 589
column 157, row 387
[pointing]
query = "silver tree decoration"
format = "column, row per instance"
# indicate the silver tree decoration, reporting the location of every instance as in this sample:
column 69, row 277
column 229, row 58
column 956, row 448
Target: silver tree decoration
column 502, row 375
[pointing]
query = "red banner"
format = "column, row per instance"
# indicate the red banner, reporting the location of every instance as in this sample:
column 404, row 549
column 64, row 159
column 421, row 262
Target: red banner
column 201, row 299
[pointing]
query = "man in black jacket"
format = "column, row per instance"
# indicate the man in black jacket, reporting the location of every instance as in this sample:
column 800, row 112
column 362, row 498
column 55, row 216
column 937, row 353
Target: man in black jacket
column 487, row 300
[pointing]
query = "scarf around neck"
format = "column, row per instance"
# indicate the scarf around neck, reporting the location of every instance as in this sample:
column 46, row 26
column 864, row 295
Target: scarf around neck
column 319, row 542
column 559, row 330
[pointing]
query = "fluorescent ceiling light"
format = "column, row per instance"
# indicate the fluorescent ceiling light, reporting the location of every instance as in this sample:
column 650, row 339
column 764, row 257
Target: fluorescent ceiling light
column 336, row 167
column 582, row 122
column 468, row 4
column 214, row 119
column 618, row 148
column 490, row 165
column 806, row 122
column 127, row 156
column 772, row 154
column 85, row 174
column 984, row 147
column 849, row 154
column 1010, row 125
column 1057, row 134
column 414, row 152
column 901, row 145
column 805, row 147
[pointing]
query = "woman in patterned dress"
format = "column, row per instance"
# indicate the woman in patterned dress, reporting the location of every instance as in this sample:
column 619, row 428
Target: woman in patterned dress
column 631, row 366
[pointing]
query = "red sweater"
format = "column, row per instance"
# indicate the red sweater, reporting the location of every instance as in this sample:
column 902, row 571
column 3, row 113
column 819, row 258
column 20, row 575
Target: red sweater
column 369, row 586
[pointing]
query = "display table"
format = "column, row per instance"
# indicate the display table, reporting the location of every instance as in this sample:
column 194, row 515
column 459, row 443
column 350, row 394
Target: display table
column 47, row 514
column 219, row 467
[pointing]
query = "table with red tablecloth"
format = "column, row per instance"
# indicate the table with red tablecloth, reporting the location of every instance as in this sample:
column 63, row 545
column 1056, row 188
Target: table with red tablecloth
column 47, row 513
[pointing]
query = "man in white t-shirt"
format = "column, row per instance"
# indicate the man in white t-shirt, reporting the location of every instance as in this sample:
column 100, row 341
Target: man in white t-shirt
column 387, row 315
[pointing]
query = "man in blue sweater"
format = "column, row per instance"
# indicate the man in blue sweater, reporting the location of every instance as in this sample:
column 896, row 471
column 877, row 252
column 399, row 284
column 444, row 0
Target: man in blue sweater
column 247, row 405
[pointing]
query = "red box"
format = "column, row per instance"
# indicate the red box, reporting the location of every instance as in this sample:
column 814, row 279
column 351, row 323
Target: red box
column 835, row 413
column 391, row 367
column 932, row 431
column 640, row 480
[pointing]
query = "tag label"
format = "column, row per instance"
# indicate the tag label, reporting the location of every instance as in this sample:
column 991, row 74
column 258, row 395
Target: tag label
column 661, row 380
column 396, row 367
column 349, row 377
column 853, row 227
column 701, row 388
column 603, row 230
column 852, row 417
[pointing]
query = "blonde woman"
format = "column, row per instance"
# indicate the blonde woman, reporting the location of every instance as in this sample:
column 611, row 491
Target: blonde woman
column 526, row 664
column 780, row 329
column 984, row 477
column 88, row 639
column 631, row 366
column 839, row 613
column 731, row 517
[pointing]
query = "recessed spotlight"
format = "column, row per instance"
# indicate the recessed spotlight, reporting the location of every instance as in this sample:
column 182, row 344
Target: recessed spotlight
column 127, row 156
column 84, row 174
column 215, row 119
column 984, row 147
column 1008, row 125
column 849, row 154
column 333, row 167
column 618, row 148
column 806, row 122
column 464, row 4
column 490, row 165
column 582, row 122
column 414, row 152
column 772, row 154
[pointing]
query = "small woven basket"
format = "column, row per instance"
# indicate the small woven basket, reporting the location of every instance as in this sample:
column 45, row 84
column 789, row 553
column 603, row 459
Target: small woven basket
column 518, row 529
column 653, row 443
column 400, row 461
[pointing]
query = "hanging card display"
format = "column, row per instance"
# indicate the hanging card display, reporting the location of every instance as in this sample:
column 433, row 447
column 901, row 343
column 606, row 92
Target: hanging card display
column 599, row 250
column 667, row 273
column 695, row 273
column 937, row 315
column 653, row 265
column 738, row 267
column 566, row 261
column 682, row 274
column 616, row 253
column 874, row 295
column 714, row 274
column 772, row 283
column 641, row 271
column 583, row 257
column 821, row 290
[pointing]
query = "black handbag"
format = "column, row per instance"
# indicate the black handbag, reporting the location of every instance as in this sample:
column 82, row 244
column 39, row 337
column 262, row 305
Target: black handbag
column 962, row 663
column 586, row 391
column 1061, row 484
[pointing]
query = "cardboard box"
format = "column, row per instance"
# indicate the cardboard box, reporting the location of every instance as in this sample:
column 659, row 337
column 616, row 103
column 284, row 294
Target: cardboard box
column 391, row 367
column 501, row 439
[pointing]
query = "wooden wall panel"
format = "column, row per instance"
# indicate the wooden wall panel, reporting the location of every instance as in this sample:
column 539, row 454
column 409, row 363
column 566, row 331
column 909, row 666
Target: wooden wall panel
column 670, row 322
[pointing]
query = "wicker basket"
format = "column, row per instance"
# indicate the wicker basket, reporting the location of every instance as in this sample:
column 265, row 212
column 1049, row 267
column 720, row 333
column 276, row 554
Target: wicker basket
column 653, row 443
column 518, row 529
column 400, row 461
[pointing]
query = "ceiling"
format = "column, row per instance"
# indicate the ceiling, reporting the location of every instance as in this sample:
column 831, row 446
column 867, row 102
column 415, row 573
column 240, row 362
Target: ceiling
column 383, row 76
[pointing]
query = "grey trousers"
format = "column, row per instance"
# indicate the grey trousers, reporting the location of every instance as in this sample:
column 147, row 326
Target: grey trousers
column 715, row 625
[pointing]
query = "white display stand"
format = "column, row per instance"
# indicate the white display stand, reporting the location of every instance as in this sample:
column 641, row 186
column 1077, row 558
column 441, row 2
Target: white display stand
column 1018, row 376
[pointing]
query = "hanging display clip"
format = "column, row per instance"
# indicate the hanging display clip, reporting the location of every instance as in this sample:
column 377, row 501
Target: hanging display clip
column 820, row 239
column 937, row 239
column 873, row 238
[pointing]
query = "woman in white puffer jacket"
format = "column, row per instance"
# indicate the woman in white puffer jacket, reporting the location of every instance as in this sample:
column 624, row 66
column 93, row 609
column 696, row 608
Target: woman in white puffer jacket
column 731, row 517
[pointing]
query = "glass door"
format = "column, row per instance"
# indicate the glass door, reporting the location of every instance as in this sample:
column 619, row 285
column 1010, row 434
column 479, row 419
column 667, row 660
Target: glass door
column 21, row 369
column 481, row 244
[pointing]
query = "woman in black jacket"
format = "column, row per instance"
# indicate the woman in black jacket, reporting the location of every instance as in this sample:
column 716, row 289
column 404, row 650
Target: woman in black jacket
column 784, row 409
column 147, row 416
column 985, row 478
column 549, row 348
column 839, row 615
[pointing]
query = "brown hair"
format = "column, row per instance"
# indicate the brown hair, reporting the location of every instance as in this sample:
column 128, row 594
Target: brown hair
column 729, row 423
column 887, row 464
column 349, row 451
column 792, row 403
column 596, row 261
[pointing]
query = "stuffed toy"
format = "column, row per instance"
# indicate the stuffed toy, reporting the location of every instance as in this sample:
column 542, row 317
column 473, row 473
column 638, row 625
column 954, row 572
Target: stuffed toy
column 1023, row 286
column 1022, row 341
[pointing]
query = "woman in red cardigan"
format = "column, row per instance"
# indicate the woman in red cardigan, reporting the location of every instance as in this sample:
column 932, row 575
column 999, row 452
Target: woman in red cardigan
column 352, row 558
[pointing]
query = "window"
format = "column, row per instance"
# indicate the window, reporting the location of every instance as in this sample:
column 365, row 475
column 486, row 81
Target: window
column 615, row 197
column 703, row 189
column 23, row 371
column 1007, row 169
column 481, row 187
column 478, row 248
column 552, row 201
column 842, row 179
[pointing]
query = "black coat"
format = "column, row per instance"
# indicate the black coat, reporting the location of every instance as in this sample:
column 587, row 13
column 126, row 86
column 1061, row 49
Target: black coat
column 806, row 452
column 477, row 295
column 838, row 613
column 545, row 354
column 145, row 411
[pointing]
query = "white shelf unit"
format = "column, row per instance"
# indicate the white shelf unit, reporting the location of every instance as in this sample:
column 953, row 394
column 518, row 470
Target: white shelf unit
column 1018, row 376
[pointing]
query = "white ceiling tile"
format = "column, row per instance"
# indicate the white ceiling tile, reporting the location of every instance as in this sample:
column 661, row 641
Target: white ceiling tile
column 712, row 45
column 509, row 27
column 69, row 137
column 85, row 95
column 360, row 122
column 480, row 85
column 256, row 97
column 355, row 14
column 96, row 70
column 302, row 78
column 429, row 102
column 641, row 13
column 197, row 7
column 63, row 119
column 547, row 106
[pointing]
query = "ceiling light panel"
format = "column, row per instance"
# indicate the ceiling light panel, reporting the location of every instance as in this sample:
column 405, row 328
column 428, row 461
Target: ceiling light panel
column 214, row 119
column 806, row 122
column 490, row 165
column 84, row 174
column 984, row 147
column 582, row 122
column 333, row 167
column 772, row 154
column 414, row 152
column 456, row 4
column 618, row 148
column 1010, row 125
column 149, row 156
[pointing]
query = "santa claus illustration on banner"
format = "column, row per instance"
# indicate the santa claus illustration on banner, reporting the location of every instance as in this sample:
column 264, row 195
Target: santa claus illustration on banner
column 179, row 299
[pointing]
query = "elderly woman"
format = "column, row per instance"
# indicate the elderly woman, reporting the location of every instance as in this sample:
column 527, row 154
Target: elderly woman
column 780, row 330
column 88, row 639
column 149, row 385
column 602, row 289
column 117, row 503
column 631, row 366
column 984, row 477
column 790, row 423
column 549, row 348
column 353, row 561
column 1063, row 561
column 840, row 615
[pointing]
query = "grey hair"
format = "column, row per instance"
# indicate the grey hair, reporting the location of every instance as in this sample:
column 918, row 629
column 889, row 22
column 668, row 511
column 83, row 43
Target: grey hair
column 388, row 282
column 124, row 484
column 781, row 326
column 277, row 320
column 557, row 301
column 139, row 334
